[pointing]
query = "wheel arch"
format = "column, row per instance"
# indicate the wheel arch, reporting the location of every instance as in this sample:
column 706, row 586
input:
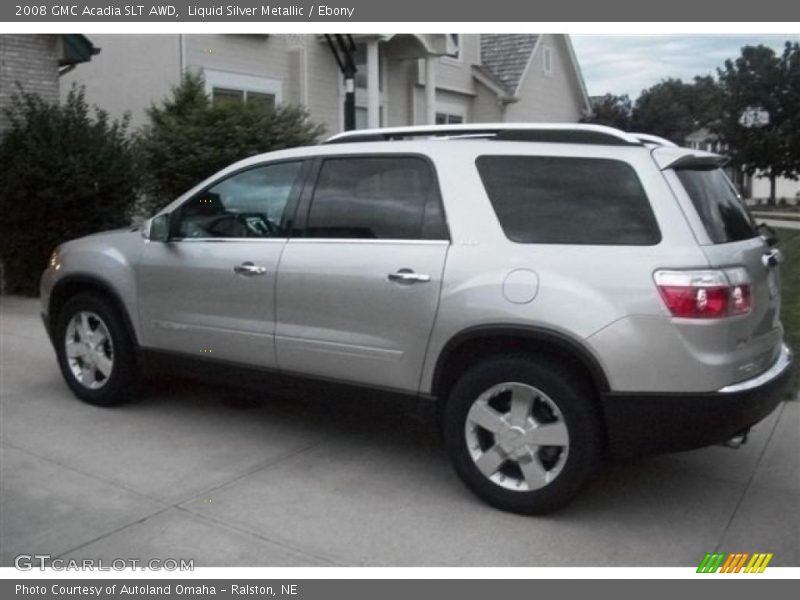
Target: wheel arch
column 501, row 338
column 70, row 285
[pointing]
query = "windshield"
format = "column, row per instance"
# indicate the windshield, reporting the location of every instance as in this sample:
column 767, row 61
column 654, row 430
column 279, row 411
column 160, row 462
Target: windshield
column 720, row 208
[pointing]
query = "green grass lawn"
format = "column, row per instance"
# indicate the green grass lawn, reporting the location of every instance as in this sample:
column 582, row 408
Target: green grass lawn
column 790, row 291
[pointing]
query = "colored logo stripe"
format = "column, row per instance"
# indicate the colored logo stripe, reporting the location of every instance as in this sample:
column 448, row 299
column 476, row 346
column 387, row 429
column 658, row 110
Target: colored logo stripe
column 758, row 563
column 710, row 563
column 734, row 562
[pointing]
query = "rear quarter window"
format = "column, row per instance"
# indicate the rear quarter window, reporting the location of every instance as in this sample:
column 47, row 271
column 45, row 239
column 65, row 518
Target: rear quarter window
column 566, row 200
column 719, row 207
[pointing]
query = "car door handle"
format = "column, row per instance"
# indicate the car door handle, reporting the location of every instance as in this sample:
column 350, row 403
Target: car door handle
column 408, row 276
column 249, row 269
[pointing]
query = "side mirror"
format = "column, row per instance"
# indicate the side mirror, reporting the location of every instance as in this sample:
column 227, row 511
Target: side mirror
column 158, row 230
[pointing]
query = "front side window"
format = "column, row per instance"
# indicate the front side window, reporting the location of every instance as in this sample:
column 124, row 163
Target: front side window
column 390, row 197
column 565, row 200
column 719, row 207
column 250, row 204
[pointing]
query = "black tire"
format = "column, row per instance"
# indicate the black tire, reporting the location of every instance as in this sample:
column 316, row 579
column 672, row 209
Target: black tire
column 122, row 382
column 574, row 398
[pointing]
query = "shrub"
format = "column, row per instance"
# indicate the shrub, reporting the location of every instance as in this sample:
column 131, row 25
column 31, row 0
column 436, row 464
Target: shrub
column 68, row 171
column 189, row 138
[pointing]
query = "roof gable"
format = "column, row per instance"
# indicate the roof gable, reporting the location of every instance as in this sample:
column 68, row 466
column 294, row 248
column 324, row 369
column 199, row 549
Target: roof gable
column 505, row 56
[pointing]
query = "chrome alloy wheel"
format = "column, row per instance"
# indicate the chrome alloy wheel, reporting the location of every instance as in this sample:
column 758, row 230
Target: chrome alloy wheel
column 89, row 350
column 517, row 437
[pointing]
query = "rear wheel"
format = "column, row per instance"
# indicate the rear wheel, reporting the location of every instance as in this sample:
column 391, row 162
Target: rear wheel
column 523, row 433
column 94, row 350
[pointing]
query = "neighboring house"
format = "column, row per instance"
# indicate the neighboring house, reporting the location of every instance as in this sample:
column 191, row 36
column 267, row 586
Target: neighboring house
column 35, row 62
column 402, row 79
column 755, row 187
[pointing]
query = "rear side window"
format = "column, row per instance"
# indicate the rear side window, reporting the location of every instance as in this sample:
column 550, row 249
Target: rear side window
column 722, row 212
column 564, row 200
column 389, row 197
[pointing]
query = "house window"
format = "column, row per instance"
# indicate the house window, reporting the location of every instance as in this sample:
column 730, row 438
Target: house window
column 266, row 101
column 454, row 45
column 547, row 60
column 448, row 119
column 361, row 117
column 360, row 60
column 222, row 96
column 236, row 88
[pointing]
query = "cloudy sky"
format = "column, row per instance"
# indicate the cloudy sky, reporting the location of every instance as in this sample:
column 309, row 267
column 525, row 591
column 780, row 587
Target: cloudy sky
column 629, row 64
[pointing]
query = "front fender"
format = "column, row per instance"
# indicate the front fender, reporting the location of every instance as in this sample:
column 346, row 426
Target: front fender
column 106, row 261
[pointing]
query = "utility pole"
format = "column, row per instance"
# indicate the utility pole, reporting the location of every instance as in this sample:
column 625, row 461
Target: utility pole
column 343, row 48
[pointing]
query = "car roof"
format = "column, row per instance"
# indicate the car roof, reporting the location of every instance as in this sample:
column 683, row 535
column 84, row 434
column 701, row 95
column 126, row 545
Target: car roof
column 500, row 137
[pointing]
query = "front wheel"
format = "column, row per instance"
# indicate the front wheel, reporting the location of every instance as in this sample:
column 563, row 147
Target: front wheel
column 523, row 433
column 94, row 350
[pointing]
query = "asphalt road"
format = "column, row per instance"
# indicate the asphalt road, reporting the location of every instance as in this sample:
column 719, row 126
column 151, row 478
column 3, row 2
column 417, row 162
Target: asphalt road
column 233, row 479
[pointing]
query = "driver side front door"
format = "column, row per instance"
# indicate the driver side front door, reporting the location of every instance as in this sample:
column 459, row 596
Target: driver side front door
column 209, row 291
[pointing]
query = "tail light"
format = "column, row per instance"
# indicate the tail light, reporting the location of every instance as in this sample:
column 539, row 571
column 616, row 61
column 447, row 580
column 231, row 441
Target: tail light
column 708, row 294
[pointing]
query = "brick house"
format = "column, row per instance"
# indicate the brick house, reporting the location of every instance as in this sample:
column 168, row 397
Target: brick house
column 35, row 62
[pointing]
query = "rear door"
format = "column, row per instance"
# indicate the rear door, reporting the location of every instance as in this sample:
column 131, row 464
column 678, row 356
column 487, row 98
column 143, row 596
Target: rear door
column 358, row 290
column 729, row 238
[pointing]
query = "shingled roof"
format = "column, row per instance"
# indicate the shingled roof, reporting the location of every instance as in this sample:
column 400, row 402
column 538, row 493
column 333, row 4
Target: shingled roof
column 505, row 56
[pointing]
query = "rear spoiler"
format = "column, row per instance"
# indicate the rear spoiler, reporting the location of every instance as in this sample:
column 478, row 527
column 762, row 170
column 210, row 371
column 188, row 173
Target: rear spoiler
column 686, row 158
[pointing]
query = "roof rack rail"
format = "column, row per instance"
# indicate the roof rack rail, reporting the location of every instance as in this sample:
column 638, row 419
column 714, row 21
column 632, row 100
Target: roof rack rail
column 567, row 133
column 656, row 140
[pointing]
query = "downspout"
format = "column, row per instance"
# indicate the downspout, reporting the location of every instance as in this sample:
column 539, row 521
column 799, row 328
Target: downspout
column 182, row 50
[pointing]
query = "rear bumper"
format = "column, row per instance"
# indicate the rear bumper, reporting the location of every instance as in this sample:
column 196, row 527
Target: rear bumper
column 648, row 423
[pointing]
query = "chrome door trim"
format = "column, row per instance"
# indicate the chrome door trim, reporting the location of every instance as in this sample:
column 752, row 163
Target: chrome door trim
column 240, row 240
column 343, row 348
column 177, row 326
column 368, row 242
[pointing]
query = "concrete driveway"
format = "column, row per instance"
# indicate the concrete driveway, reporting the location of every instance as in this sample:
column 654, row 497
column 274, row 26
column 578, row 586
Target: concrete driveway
column 228, row 478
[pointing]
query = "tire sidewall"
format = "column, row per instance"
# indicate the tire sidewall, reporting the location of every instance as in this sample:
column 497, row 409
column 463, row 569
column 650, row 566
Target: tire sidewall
column 119, row 386
column 573, row 399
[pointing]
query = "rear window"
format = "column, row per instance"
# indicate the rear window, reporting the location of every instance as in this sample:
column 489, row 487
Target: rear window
column 722, row 212
column 561, row 200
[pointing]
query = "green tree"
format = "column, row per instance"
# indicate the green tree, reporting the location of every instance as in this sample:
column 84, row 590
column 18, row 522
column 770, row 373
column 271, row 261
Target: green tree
column 761, row 79
column 673, row 108
column 189, row 138
column 612, row 110
column 791, row 101
column 67, row 171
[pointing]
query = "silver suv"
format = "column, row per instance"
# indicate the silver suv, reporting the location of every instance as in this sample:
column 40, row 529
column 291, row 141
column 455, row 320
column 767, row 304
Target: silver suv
column 554, row 292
